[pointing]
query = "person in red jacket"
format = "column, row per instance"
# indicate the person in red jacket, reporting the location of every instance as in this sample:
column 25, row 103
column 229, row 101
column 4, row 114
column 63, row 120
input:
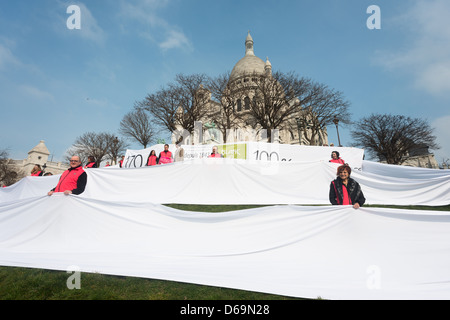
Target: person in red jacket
column 152, row 158
column 37, row 171
column 345, row 190
column 73, row 180
column 335, row 158
column 165, row 156
column 215, row 153
column 91, row 163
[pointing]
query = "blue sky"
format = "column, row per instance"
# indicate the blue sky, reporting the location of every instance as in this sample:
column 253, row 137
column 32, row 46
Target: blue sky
column 57, row 83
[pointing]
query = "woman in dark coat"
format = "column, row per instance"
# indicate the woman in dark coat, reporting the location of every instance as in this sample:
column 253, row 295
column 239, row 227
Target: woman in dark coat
column 345, row 190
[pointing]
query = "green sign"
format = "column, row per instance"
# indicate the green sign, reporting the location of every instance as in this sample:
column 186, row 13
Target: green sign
column 234, row 151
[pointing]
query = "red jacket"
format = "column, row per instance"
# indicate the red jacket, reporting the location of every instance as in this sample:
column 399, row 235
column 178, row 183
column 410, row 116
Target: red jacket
column 151, row 160
column 37, row 174
column 91, row 165
column 340, row 161
column 73, row 179
column 165, row 157
column 341, row 195
column 215, row 155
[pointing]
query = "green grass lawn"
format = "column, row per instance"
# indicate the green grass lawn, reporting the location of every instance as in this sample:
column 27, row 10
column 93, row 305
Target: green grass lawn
column 37, row 284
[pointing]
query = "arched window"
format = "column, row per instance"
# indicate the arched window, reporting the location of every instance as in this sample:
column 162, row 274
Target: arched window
column 239, row 105
column 247, row 103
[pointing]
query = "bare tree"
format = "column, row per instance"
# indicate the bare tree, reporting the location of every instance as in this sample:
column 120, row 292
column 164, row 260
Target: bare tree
column 225, row 116
column 116, row 147
column 279, row 100
column 163, row 106
column 320, row 105
column 8, row 173
column 180, row 104
column 136, row 125
column 392, row 137
column 261, row 101
column 98, row 145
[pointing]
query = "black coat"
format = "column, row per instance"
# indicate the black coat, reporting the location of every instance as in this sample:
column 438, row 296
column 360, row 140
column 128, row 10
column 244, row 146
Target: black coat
column 354, row 191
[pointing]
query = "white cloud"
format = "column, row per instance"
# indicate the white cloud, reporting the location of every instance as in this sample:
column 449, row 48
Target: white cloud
column 155, row 28
column 427, row 57
column 144, row 11
column 175, row 39
column 7, row 57
column 36, row 93
column 89, row 27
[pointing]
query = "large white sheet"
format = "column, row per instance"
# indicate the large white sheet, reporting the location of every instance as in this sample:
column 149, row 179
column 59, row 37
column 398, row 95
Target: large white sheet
column 28, row 187
column 334, row 252
column 230, row 181
column 395, row 171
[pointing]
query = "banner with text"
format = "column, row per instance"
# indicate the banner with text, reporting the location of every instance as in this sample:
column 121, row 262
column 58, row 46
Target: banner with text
column 252, row 151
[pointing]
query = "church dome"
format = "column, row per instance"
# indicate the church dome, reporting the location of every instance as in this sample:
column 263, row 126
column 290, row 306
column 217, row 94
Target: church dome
column 249, row 64
column 246, row 66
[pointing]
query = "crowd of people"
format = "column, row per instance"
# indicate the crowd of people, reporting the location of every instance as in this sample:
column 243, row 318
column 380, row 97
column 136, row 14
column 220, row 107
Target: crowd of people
column 166, row 155
column 344, row 190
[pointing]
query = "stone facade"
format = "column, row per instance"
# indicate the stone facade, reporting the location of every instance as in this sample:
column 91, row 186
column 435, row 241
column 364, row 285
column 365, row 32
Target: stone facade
column 421, row 157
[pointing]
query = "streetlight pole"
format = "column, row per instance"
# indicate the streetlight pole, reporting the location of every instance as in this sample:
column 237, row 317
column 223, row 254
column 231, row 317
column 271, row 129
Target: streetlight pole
column 299, row 126
column 336, row 122
column 115, row 151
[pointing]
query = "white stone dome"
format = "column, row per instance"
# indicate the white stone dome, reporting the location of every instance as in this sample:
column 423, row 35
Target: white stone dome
column 249, row 64
column 246, row 66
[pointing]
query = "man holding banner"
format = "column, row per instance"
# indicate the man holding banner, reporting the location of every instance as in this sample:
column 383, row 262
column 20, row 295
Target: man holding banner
column 165, row 156
column 215, row 153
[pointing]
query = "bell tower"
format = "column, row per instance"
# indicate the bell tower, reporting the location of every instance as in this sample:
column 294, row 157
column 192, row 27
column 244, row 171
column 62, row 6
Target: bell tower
column 249, row 45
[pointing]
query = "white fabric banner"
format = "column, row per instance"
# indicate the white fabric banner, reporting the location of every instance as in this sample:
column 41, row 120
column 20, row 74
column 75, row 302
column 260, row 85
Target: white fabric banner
column 294, row 153
column 333, row 252
column 253, row 151
column 403, row 172
column 230, row 181
column 29, row 187
column 138, row 158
